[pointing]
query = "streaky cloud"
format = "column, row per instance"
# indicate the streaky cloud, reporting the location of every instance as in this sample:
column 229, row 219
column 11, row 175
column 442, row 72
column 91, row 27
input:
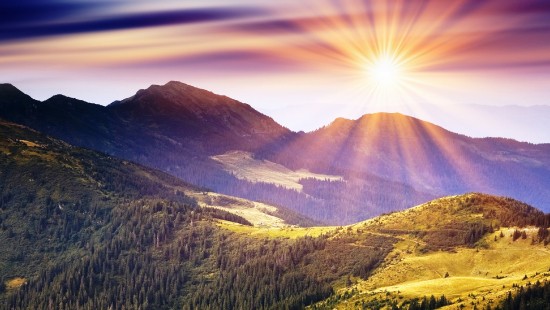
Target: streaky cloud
column 235, row 60
column 36, row 12
column 125, row 21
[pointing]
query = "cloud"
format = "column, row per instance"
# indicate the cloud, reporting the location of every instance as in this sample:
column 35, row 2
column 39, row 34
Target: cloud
column 24, row 12
column 47, row 18
column 525, row 7
column 275, row 26
column 233, row 60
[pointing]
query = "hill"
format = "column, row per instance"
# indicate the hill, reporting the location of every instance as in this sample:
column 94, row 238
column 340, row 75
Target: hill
column 385, row 162
column 472, row 249
column 79, row 229
column 51, row 189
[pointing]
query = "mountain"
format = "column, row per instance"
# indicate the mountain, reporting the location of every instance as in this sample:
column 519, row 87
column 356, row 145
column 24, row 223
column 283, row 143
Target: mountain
column 180, row 109
column 429, row 158
column 379, row 163
column 180, row 129
column 521, row 123
column 174, row 127
column 175, row 115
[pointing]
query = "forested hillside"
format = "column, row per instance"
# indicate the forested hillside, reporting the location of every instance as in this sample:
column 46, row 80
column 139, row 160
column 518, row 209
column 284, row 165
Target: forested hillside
column 80, row 229
column 388, row 161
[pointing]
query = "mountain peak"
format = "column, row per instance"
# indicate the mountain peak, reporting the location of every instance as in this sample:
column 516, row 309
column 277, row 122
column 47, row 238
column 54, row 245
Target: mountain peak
column 57, row 98
column 466, row 208
column 177, row 84
column 175, row 94
column 8, row 87
column 174, row 86
column 376, row 125
column 375, row 121
column 67, row 101
column 389, row 117
column 10, row 94
column 191, row 111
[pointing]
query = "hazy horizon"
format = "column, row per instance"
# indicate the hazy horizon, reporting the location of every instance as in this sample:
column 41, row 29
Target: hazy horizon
column 344, row 58
column 366, row 54
column 526, row 124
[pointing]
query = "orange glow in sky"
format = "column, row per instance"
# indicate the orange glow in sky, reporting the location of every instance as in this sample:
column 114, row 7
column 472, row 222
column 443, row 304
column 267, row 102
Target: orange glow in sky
column 346, row 57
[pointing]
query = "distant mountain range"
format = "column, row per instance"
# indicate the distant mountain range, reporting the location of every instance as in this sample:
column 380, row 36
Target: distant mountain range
column 425, row 156
column 522, row 123
column 387, row 161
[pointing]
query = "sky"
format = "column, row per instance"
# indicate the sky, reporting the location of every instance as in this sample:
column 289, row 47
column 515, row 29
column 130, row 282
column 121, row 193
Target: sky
column 302, row 62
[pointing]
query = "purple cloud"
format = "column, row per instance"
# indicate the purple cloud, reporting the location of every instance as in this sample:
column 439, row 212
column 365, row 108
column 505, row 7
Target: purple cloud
column 31, row 18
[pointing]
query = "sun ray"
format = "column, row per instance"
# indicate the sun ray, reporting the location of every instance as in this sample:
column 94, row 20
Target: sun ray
column 390, row 51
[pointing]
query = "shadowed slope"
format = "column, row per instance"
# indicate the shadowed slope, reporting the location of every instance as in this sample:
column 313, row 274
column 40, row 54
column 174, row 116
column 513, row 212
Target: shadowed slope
column 79, row 229
column 388, row 161
column 428, row 157
column 180, row 111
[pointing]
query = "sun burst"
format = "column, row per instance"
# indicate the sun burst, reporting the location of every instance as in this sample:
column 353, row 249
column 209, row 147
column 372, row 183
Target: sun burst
column 385, row 71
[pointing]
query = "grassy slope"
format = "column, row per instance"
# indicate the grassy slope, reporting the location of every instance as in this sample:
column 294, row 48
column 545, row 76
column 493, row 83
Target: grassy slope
column 64, row 209
column 245, row 167
column 277, row 232
column 64, row 186
column 475, row 275
column 48, row 150
column 46, row 184
column 257, row 213
column 480, row 274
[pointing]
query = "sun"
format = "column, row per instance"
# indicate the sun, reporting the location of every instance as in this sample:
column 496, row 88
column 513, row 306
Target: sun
column 385, row 71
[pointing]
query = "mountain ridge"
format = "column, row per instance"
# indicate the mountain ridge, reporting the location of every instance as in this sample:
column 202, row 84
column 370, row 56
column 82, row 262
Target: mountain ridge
column 180, row 98
column 11, row 92
column 518, row 122
column 403, row 148
column 177, row 128
column 6, row 88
